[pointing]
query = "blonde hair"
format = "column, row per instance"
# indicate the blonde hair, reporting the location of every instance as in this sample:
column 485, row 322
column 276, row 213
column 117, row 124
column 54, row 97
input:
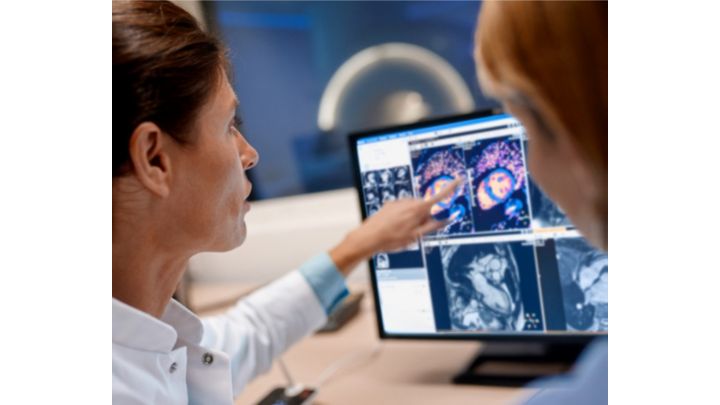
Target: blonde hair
column 553, row 56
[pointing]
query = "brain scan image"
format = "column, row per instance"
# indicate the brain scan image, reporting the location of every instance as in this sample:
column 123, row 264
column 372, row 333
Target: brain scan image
column 370, row 180
column 499, row 183
column 401, row 175
column 434, row 169
column 382, row 186
column 491, row 287
column 386, row 177
column 403, row 191
column 372, row 209
column 584, row 281
column 545, row 213
column 371, row 196
column 382, row 261
column 387, row 194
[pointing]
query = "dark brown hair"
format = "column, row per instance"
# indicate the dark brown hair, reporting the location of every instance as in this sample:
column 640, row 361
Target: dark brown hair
column 164, row 69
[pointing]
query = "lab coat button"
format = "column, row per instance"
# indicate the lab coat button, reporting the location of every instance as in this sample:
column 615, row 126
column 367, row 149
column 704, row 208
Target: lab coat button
column 207, row 359
column 173, row 367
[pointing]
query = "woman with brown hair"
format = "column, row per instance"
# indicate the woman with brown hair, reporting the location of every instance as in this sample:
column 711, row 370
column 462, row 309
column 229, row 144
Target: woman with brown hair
column 179, row 188
column 547, row 63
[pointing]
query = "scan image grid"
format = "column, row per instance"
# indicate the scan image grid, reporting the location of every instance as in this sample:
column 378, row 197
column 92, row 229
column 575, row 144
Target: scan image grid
column 492, row 284
column 382, row 186
column 495, row 195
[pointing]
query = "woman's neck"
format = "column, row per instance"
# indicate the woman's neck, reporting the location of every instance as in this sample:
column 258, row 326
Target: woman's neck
column 147, row 264
column 145, row 281
column 144, row 277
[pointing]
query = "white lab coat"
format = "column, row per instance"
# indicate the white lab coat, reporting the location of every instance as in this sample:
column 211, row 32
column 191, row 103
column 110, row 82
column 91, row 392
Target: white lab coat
column 182, row 359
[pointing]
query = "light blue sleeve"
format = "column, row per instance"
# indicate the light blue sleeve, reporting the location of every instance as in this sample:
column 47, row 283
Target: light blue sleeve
column 586, row 384
column 326, row 280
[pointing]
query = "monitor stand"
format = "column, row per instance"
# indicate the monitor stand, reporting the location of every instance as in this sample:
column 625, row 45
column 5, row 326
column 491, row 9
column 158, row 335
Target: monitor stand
column 516, row 364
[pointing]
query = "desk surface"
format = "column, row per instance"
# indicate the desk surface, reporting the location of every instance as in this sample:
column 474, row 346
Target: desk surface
column 416, row 372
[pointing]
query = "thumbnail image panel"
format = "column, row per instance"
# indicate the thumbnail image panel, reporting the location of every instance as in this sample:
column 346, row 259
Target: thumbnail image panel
column 385, row 185
column 387, row 179
column 499, row 183
column 433, row 169
column 370, row 180
column 380, row 187
column 372, row 208
column 401, row 175
column 491, row 287
column 411, row 258
column 584, row 283
column 404, row 191
column 403, row 183
column 387, row 193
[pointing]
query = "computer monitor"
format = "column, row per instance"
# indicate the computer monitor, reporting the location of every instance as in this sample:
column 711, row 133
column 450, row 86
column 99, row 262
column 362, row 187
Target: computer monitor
column 509, row 265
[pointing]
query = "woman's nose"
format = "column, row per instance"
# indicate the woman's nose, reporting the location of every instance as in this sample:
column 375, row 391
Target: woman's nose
column 248, row 155
column 253, row 159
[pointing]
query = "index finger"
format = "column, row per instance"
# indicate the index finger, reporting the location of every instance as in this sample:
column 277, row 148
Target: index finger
column 446, row 192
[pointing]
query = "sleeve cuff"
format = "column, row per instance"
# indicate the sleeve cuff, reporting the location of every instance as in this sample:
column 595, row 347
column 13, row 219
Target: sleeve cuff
column 326, row 281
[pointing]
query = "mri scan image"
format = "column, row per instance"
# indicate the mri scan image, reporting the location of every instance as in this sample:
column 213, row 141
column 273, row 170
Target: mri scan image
column 401, row 175
column 434, row 168
column 499, row 183
column 382, row 261
column 371, row 196
column 387, row 193
column 385, row 185
column 403, row 191
column 386, row 177
column 372, row 209
column 370, row 180
column 491, row 287
column 584, row 281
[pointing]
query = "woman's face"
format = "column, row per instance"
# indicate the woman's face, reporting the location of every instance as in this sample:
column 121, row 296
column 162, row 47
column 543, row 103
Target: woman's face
column 211, row 188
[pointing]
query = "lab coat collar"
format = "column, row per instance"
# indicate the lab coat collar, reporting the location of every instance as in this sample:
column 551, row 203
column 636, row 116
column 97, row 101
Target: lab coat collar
column 188, row 326
column 136, row 329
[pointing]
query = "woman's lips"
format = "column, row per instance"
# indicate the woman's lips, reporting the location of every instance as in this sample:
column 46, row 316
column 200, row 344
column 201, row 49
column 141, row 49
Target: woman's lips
column 246, row 204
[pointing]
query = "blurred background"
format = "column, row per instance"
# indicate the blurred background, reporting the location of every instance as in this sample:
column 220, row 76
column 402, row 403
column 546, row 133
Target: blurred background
column 309, row 73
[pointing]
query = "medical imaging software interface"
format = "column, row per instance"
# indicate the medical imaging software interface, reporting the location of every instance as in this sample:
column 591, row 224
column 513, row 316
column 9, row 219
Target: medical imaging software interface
column 508, row 261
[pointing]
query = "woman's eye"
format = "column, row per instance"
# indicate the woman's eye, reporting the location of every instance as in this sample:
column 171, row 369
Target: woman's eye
column 235, row 125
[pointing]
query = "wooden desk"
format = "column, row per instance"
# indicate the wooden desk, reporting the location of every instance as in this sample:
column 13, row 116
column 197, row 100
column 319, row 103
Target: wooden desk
column 402, row 372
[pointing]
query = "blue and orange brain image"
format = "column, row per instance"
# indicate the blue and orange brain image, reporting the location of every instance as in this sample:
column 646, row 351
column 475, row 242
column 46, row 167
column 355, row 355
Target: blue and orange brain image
column 494, row 195
column 437, row 170
column 434, row 188
column 495, row 188
column 499, row 184
column 501, row 172
column 434, row 169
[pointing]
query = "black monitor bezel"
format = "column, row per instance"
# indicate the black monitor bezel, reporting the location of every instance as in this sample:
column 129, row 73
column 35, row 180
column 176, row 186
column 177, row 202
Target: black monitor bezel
column 544, row 337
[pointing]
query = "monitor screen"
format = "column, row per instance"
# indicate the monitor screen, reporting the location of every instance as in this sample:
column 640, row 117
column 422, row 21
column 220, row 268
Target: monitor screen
column 508, row 263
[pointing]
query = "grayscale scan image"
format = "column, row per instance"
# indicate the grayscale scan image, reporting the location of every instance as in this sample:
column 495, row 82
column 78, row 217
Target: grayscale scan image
column 584, row 280
column 484, row 287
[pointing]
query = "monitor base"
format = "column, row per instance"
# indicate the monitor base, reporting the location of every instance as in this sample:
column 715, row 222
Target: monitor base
column 516, row 364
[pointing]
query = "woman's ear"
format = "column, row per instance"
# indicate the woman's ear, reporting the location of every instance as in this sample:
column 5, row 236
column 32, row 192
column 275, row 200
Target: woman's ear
column 150, row 158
